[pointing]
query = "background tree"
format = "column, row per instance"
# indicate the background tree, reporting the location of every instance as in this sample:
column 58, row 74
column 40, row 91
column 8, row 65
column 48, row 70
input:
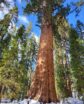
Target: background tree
column 76, row 65
column 14, row 77
column 61, row 59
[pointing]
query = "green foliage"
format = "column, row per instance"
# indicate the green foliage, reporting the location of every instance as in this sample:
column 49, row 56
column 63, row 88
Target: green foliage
column 62, row 73
column 4, row 24
column 44, row 9
column 76, row 64
column 73, row 70
column 18, row 57
column 61, row 82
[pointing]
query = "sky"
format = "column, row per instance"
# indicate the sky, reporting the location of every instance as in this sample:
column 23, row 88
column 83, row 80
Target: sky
column 72, row 19
column 25, row 19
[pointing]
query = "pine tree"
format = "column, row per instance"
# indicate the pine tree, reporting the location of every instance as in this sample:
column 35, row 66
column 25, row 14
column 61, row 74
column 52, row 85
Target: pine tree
column 61, row 48
column 76, row 66
column 14, row 79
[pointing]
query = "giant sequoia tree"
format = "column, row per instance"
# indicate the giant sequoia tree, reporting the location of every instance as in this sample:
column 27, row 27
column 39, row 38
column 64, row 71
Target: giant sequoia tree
column 43, row 86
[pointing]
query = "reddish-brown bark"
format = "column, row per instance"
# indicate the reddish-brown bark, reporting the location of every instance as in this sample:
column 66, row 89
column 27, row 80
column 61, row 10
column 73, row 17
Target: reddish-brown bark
column 43, row 85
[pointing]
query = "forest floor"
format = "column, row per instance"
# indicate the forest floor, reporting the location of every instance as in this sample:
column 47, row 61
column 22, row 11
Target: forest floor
column 65, row 101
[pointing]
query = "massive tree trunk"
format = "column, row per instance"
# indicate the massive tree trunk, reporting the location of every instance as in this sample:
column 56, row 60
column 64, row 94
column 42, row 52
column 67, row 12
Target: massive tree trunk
column 43, row 85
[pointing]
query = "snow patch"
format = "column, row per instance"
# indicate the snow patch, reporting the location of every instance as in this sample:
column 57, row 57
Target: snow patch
column 72, row 101
column 65, row 101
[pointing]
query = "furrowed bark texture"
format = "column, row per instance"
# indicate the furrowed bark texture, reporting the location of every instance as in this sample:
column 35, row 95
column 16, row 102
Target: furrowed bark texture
column 43, row 85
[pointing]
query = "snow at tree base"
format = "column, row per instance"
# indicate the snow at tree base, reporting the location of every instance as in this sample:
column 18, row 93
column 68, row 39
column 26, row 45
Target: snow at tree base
column 65, row 101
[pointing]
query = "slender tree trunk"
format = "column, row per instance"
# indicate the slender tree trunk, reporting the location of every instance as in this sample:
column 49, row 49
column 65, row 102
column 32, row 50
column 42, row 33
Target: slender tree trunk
column 0, row 92
column 43, row 84
column 66, row 65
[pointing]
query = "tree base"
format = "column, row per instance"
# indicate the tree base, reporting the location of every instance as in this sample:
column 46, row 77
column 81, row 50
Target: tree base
column 32, row 101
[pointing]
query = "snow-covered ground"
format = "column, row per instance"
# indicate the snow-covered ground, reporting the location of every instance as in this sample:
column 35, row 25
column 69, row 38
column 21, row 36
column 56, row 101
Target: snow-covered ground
column 71, row 101
column 65, row 101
